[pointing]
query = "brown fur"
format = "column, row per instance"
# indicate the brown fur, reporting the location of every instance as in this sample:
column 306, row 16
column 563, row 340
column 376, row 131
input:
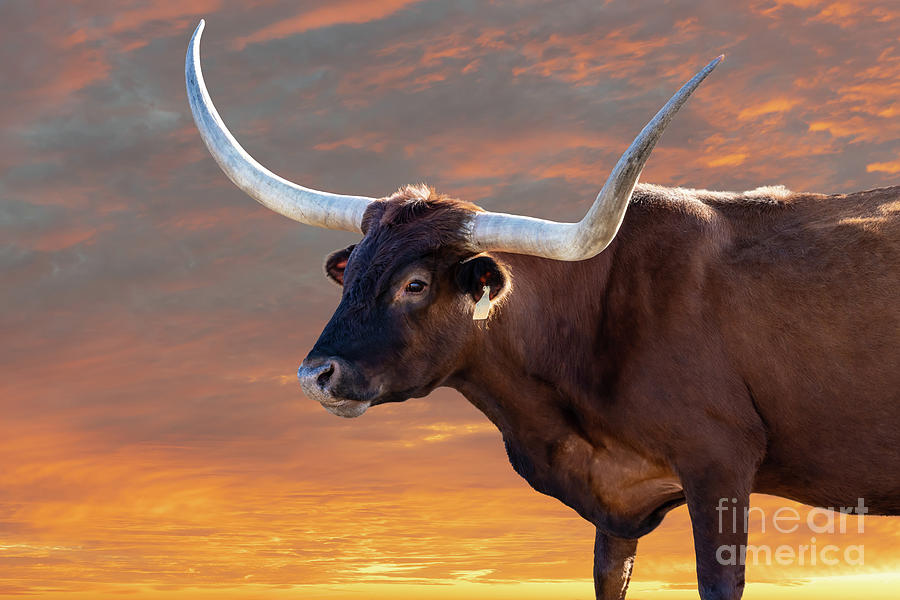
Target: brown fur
column 722, row 344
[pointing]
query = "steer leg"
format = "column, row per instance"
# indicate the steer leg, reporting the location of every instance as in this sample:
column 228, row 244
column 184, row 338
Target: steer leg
column 613, row 562
column 720, row 535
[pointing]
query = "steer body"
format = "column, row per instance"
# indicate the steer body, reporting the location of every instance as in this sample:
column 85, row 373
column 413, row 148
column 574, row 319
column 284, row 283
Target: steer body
column 723, row 344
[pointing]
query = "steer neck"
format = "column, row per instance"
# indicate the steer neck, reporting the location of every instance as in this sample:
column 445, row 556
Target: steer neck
column 535, row 370
column 541, row 344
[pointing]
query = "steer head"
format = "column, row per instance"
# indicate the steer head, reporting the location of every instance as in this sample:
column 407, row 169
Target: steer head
column 412, row 281
column 409, row 284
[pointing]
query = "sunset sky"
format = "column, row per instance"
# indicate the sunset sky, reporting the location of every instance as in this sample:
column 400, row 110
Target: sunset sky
column 154, row 440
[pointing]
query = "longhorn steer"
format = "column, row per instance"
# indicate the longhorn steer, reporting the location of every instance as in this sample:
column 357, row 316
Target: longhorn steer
column 720, row 344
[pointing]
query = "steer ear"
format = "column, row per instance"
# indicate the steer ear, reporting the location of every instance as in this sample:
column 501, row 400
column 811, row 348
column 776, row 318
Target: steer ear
column 336, row 263
column 478, row 272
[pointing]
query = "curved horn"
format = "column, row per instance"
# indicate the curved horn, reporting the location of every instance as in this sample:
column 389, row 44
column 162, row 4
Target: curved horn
column 588, row 237
column 322, row 209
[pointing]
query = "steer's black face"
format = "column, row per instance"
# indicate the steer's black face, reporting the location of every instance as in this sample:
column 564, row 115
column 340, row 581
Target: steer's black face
column 405, row 317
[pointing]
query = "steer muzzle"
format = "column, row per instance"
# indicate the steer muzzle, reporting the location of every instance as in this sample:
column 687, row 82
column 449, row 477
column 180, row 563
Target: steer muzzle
column 333, row 383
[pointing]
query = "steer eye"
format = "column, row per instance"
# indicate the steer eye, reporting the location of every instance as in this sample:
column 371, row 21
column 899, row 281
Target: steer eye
column 415, row 286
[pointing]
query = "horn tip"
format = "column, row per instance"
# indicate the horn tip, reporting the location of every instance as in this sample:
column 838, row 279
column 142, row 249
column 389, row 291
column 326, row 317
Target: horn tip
column 200, row 26
column 712, row 65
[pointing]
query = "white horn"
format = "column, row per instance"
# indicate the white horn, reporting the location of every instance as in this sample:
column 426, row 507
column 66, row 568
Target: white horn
column 588, row 237
column 322, row 209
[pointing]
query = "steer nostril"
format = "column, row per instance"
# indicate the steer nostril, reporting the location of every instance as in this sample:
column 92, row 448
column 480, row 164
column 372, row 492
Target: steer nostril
column 323, row 377
column 318, row 375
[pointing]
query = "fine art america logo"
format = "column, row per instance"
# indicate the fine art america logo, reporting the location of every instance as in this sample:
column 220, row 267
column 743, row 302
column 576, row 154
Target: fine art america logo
column 787, row 520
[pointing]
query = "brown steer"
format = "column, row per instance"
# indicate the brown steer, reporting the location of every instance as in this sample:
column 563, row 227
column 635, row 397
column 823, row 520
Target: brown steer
column 720, row 344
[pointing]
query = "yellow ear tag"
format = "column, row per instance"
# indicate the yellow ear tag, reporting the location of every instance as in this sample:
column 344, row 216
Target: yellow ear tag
column 483, row 306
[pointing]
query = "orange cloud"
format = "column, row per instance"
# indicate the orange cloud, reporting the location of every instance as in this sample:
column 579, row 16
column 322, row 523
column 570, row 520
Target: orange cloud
column 167, row 11
column 776, row 105
column 63, row 238
column 334, row 13
column 884, row 167
column 727, row 160
column 841, row 129
column 74, row 69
